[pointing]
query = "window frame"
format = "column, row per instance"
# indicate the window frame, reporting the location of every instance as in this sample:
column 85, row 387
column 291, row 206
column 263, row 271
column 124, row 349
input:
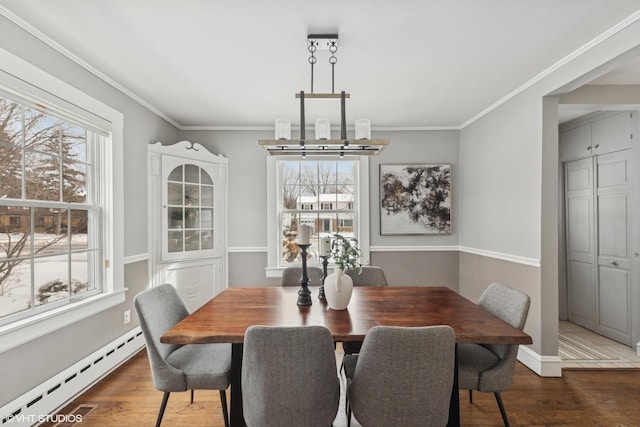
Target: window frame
column 28, row 81
column 361, row 203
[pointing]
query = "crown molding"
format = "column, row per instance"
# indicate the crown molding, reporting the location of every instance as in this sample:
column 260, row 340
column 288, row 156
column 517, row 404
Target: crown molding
column 73, row 57
column 576, row 53
column 561, row 63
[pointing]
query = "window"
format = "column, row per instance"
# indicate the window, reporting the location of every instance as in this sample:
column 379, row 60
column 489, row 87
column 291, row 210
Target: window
column 320, row 192
column 49, row 217
column 60, row 204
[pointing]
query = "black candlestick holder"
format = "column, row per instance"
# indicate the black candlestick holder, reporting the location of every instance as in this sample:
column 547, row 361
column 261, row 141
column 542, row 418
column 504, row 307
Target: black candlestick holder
column 304, row 294
column 325, row 262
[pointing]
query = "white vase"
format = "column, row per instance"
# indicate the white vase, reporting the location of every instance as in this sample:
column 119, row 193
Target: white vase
column 337, row 289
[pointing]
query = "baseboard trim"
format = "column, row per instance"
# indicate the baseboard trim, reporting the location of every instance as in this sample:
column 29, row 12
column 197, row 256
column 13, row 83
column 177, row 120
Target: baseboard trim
column 34, row 406
column 545, row 366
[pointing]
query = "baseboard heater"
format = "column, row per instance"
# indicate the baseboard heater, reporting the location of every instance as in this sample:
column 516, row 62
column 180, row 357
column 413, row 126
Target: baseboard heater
column 34, row 406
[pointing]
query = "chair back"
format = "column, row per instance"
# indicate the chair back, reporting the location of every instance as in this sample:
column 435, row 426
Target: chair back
column 369, row 276
column 291, row 276
column 159, row 308
column 404, row 377
column 289, row 377
column 510, row 305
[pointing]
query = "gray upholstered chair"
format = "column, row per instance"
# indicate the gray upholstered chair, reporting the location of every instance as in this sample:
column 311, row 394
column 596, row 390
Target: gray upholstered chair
column 289, row 377
column 175, row 367
column 402, row 377
column 291, row 276
column 369, row 276
column 490, row 368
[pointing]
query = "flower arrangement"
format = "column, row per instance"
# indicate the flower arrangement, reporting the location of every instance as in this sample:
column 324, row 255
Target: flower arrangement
column 345, row 252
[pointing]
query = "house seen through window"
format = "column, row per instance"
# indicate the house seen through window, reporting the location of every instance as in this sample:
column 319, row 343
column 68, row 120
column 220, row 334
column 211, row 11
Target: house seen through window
column 317, row 193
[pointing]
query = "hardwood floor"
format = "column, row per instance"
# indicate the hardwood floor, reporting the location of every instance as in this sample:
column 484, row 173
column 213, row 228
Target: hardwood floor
column 580, row 398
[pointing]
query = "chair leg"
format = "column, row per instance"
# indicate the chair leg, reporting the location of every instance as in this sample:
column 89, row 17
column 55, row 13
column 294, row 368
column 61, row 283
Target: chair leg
column 502, row 411
column 163, row 405
column 470, row 396
column 192, row 395
column 225, row 412
column 348, row 415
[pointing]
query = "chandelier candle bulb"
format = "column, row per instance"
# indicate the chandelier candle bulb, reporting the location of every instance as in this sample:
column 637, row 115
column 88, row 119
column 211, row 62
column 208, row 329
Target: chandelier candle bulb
column 303, row 234
column 323, row 129
column 363, row 129
column 283, row 129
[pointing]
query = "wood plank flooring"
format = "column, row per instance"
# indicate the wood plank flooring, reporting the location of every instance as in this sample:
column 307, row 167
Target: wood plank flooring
column 580, row 398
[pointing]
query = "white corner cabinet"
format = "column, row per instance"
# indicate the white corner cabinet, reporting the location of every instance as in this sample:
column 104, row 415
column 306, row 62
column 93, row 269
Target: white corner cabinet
column 187, row 220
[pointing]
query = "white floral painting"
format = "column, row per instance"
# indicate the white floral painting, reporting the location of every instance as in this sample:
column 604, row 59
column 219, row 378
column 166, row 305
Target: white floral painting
column 415, row 199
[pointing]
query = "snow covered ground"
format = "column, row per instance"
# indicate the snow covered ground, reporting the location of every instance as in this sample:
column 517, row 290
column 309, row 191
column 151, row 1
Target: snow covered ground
column 17, row 289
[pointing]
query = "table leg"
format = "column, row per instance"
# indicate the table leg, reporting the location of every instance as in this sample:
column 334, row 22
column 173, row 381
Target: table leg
column 454, row 403
column 236, row 414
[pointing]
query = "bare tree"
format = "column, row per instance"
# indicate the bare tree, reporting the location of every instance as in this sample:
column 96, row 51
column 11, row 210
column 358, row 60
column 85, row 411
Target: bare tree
column 38, row 153
column 12, row 251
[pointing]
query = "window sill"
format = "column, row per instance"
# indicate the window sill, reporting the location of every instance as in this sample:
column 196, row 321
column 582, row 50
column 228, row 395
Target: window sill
column 23, row 331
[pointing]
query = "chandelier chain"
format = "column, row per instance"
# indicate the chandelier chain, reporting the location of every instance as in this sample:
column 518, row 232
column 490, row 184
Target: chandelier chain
column 333, row 48
column 313, row 45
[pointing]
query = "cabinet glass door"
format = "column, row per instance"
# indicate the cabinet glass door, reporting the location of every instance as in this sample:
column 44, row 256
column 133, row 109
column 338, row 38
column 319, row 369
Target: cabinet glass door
column 189, row 204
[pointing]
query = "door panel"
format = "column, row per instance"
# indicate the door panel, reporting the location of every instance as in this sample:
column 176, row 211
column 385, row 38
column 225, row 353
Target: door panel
column 581, row 293
column 580, row 238
column 612, row 227
column 614, row 304
column 614, row 246
column 580, row 235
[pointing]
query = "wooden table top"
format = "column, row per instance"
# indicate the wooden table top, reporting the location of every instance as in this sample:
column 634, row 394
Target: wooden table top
column 225, row 318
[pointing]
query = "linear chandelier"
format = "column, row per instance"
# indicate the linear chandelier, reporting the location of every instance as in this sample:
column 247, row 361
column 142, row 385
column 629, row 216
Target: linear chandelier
column 323, row 144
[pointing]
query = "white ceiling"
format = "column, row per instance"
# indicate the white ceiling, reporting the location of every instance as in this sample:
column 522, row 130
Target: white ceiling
column 406, row 63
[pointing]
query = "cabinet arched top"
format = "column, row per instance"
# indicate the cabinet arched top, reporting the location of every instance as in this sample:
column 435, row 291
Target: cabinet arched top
column 188, row 150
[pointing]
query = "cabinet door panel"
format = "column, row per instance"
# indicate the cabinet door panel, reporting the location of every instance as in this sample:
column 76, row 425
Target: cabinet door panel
column 194, row 283
column 611, row 133
column 576, row 143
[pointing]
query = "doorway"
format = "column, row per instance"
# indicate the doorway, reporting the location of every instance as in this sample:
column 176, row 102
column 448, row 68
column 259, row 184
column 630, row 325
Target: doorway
column 599, row 209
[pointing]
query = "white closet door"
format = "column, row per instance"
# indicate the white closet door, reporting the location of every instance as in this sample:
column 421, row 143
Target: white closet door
column 614, row 246
column 580, row 223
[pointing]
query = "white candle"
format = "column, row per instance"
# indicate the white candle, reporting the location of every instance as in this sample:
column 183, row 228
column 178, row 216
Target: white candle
column 325, row 246
column 303, row 234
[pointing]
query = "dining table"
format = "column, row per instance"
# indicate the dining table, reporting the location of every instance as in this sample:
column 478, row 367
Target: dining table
column 226, row 317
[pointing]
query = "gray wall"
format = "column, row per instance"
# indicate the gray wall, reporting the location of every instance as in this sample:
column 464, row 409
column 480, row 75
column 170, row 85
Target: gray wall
column 509, row 206
column 28, row 365
column 247, row 206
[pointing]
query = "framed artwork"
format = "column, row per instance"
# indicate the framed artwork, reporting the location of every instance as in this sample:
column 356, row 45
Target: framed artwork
column 415, row 199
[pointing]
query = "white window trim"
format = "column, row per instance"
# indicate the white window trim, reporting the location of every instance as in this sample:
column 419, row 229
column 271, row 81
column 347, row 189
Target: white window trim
column 362, row 220
column 25, row 330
